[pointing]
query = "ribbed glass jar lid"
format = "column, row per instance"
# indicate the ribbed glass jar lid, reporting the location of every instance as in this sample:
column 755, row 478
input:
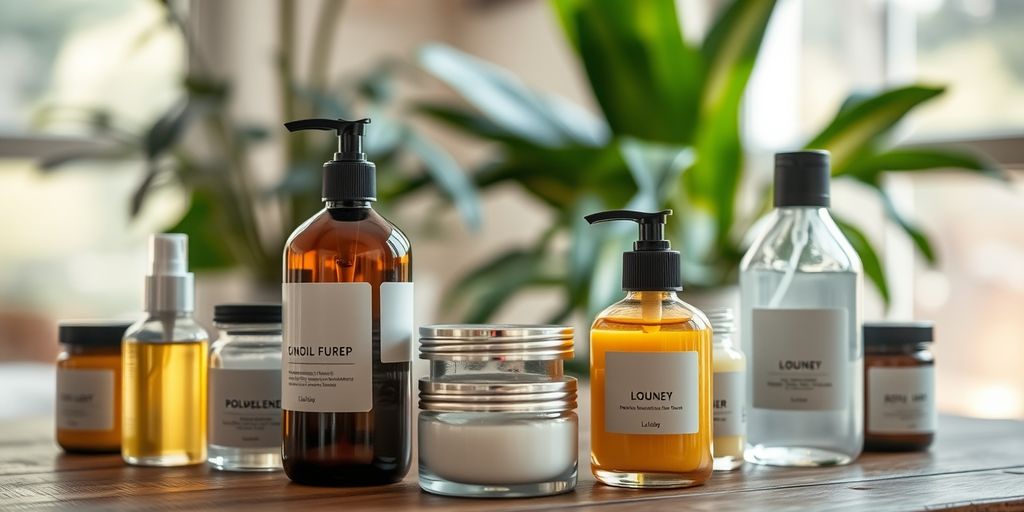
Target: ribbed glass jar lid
column 499, row 395
column 481, row 342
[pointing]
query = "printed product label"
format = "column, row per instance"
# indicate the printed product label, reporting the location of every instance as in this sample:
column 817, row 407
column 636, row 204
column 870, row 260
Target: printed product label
column 651, row 393
column 901, row 400
column 396, row 322
column 85, row 399
column 800, row 359
column 730, row 418
column 245, row 408
column 328, row 347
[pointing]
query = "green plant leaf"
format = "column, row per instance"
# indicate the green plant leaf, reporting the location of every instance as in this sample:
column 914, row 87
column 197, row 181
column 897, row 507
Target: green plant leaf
column 709, row 188
column 868, row 256
column 470, row 123
column 208, row 247
column 868, row 168
column 863, row 121
column 545, row 120
column 449, row 177
column 920, row 239
column 642, row 73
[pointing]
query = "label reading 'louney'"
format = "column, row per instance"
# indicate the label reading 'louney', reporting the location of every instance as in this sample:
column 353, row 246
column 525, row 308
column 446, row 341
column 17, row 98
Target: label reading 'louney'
column 85, row 399
column 729, row 404
column 901, row 400
column 651, row 393
column 328, row 347
column 245, row 408
column 800, row 359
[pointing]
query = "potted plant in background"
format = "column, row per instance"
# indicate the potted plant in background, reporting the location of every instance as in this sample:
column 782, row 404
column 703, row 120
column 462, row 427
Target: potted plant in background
column 234, row 222
column 669, row 137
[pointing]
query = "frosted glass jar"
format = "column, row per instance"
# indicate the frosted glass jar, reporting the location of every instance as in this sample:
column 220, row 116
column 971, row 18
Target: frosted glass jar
column 497, row 414
column 498, row 440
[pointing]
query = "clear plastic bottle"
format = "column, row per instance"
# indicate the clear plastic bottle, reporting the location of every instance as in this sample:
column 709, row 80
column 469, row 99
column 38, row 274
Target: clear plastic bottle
column 164, row 366
column 245, row 388
column 800, row 293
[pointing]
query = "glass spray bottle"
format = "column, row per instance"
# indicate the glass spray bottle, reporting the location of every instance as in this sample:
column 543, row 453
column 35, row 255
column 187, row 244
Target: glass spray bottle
column 800, row 287
column 348, row 327
column 164, row 366
column 650, row 371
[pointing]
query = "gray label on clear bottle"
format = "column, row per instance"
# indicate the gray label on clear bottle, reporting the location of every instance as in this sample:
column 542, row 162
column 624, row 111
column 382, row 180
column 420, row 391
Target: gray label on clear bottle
column 652, row 392
column 245, row 408
column 328, row 347
column 800, row 359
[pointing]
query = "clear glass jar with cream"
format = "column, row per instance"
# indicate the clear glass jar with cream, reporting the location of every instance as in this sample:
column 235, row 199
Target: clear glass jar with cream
column 497, row 414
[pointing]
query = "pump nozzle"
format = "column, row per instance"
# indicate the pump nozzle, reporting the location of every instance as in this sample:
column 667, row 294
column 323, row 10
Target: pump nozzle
column 350, row 135
column 348, row 176
column 652, row 265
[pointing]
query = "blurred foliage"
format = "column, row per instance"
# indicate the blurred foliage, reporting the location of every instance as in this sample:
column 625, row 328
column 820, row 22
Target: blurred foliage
column 669, row 137
column 200, row 145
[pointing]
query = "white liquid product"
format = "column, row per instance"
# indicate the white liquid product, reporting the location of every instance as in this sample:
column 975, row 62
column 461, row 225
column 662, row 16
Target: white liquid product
column 488, row 448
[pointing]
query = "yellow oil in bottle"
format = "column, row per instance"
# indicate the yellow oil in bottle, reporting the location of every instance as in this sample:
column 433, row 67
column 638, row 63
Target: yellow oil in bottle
column 164, row 397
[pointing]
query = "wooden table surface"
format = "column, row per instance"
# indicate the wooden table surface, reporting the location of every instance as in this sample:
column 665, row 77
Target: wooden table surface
column 974, row 464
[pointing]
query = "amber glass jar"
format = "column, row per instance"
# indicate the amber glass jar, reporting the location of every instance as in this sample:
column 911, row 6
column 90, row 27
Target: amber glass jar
column 899, row 390
column 89, row 386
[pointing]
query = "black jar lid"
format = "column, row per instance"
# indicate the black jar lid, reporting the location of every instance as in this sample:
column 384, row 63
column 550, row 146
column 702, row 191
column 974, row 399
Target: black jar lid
column 247, row 313
column 880, row 334
column 92, row 333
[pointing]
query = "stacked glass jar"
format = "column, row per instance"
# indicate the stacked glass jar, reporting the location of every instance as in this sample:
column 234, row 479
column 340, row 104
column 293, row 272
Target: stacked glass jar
column 497, row 413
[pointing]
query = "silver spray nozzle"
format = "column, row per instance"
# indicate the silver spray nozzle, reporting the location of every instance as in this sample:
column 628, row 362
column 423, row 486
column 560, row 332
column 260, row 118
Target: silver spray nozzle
column 169, row 285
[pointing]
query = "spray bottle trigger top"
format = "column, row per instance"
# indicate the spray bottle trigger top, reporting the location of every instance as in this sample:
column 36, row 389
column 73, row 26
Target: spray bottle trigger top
column 652, row 265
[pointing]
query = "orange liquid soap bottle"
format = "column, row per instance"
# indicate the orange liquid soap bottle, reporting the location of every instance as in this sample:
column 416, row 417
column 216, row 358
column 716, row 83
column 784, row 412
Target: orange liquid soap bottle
column 650, row 371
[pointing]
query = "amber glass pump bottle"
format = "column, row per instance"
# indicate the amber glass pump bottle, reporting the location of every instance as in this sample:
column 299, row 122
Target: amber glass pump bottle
column 650, row 371
column 347, row 351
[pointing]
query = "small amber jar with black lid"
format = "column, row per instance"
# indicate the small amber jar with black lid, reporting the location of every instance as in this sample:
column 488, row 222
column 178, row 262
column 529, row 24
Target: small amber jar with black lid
column 89, row 386
column 899, row 386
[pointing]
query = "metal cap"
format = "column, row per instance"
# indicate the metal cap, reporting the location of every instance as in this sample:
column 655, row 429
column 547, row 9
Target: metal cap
column 484, row 342
column 499, row 396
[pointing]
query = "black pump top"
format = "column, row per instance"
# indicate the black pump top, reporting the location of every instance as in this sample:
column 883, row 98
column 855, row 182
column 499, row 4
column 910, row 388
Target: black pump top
column 349, row 176
column 802, row 178
column 652, row 265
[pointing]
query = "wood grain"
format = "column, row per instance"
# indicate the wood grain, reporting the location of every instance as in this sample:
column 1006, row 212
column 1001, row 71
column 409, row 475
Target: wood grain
column 975, row 464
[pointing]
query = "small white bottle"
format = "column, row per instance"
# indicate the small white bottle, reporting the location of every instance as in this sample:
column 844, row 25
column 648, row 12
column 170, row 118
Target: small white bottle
column 245, row 388
column 800, row 287
column 730, row 392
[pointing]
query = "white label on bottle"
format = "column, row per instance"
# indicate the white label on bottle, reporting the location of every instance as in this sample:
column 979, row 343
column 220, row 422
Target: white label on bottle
column 730, row 417
column 245, row 408
column 396, row 322
column 901, row 400
column 800, row 359
column 85, row 399
column 651, row 393
column 328, row 347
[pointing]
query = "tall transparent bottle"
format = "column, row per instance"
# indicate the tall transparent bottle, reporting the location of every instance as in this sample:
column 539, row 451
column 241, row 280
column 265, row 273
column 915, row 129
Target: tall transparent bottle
column 800, row 288
column 164, row 366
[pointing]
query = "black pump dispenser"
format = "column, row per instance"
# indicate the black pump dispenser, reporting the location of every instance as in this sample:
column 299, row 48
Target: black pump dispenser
column 652, row 265
column 349, row 176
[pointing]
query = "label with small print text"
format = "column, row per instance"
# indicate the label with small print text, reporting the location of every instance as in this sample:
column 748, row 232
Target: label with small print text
column 901, row 400
column 85, row 399
column 245, row 408
column 652, row 392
